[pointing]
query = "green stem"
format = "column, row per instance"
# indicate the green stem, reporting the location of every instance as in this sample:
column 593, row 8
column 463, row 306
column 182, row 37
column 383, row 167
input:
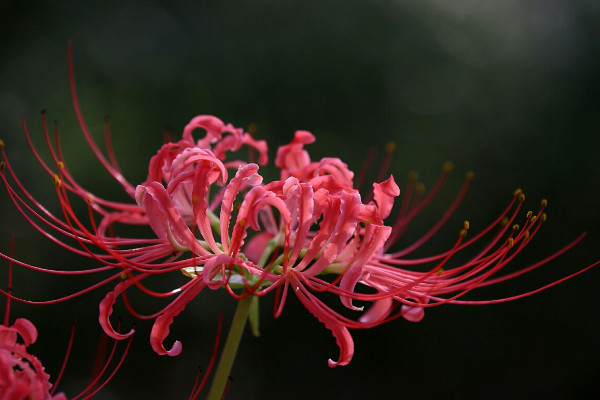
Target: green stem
column 229, row 351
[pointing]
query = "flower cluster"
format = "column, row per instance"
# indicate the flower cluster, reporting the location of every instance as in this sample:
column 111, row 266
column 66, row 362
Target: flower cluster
column 310, row 232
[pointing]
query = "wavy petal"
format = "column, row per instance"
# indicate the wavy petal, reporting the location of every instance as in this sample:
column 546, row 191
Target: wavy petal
column 324, row 315
column 244, row 175
column 26, row 329
column 106, row 309
column 211, row 124
column 160, row 329
column 413, row 314
column 378, row 311
column 384, row 194
column 292, row 157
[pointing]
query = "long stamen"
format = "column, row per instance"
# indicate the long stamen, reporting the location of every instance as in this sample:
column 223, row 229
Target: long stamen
column 65, row 359
column 198, row 388
column 9, row 287
column 112, row 374
column 86, row 132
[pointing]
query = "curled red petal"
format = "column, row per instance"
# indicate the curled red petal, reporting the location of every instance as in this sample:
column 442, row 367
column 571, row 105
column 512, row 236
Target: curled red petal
column 260, row 146
column 348, row 283
column 328, row 166
column 164, row 218
column 209, row 270
column 106, row 309
column 26, row 329
column 378, row 311
column 293, row 157
column 325, row 316
column 244, row 175
column 384, row 194
column 211, row 124
column 160, row 329
column 412, row 314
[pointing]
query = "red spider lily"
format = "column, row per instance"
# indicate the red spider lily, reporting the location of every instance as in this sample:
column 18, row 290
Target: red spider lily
column 308, row 232
column 187, row 182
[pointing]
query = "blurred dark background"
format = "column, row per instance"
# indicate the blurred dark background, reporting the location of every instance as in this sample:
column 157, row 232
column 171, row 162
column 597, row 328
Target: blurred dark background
column 507, row 89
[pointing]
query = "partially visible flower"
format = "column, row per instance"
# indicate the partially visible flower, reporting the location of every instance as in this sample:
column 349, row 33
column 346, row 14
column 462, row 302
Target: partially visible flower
column 22, row 375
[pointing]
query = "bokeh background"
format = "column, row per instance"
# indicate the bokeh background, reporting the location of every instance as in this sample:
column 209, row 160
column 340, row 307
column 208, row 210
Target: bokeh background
column 507, row 89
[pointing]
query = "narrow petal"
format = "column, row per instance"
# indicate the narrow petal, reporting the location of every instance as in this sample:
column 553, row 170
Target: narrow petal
column 384, row 194
column 293, row 157
column 26, row 329
column 413, row 314
column 211, row 124
column 160, row 329
column 378, row 311
column 247, row 174
column 324, row 315
column 106, row 309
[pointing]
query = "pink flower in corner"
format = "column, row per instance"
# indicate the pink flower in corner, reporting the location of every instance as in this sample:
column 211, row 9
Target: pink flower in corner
column 22, row 375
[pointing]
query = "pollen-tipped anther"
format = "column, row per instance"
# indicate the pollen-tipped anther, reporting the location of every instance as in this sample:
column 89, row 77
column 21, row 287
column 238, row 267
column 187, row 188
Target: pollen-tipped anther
column 57, row 180
column 465, row 229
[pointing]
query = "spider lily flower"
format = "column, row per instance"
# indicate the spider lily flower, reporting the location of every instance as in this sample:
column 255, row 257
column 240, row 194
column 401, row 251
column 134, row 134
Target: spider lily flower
column 188, row 201
column 309, row 232
column 282, row 212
